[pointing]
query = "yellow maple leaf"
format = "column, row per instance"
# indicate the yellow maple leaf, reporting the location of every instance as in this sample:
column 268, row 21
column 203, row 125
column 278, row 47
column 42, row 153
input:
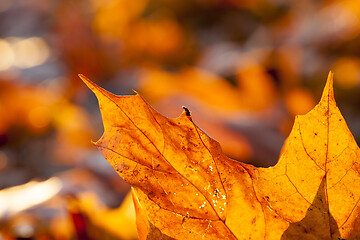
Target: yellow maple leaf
column 186, row 188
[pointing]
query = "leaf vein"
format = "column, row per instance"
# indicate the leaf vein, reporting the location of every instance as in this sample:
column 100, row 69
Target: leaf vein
column 307, row 153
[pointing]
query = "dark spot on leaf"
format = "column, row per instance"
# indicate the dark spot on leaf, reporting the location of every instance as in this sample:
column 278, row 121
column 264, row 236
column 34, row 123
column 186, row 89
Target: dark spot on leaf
column 158, row 165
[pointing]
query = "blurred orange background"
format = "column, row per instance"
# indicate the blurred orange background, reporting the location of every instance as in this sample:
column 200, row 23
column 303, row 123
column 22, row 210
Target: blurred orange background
column 244, row 68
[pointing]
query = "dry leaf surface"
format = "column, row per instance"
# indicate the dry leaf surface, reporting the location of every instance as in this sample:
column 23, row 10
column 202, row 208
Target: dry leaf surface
column 186, row 188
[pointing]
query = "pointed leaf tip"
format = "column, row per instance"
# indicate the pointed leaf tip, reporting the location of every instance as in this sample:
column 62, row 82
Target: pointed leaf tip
column 86, row 81
column 98, row 91
column 328, row 92
column 82, row 77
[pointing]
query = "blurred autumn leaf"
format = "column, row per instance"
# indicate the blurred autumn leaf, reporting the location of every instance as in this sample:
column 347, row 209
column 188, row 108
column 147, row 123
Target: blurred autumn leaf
column 213, row 91
column 37, row 110
column 121, row 218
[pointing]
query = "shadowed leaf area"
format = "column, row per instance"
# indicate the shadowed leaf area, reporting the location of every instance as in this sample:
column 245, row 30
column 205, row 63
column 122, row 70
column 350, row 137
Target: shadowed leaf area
column 318, row 212
column 184, row 187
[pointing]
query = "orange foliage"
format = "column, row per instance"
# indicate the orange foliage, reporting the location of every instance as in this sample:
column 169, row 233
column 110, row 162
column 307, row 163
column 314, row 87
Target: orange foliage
column 260, row 64
column 152, row 37
column 157, row 37
column 299, row 101
column 184, row 187
column 37, row 110
column 255, row 90
column 348, row 70
column 24, row 106
column 119, row 222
